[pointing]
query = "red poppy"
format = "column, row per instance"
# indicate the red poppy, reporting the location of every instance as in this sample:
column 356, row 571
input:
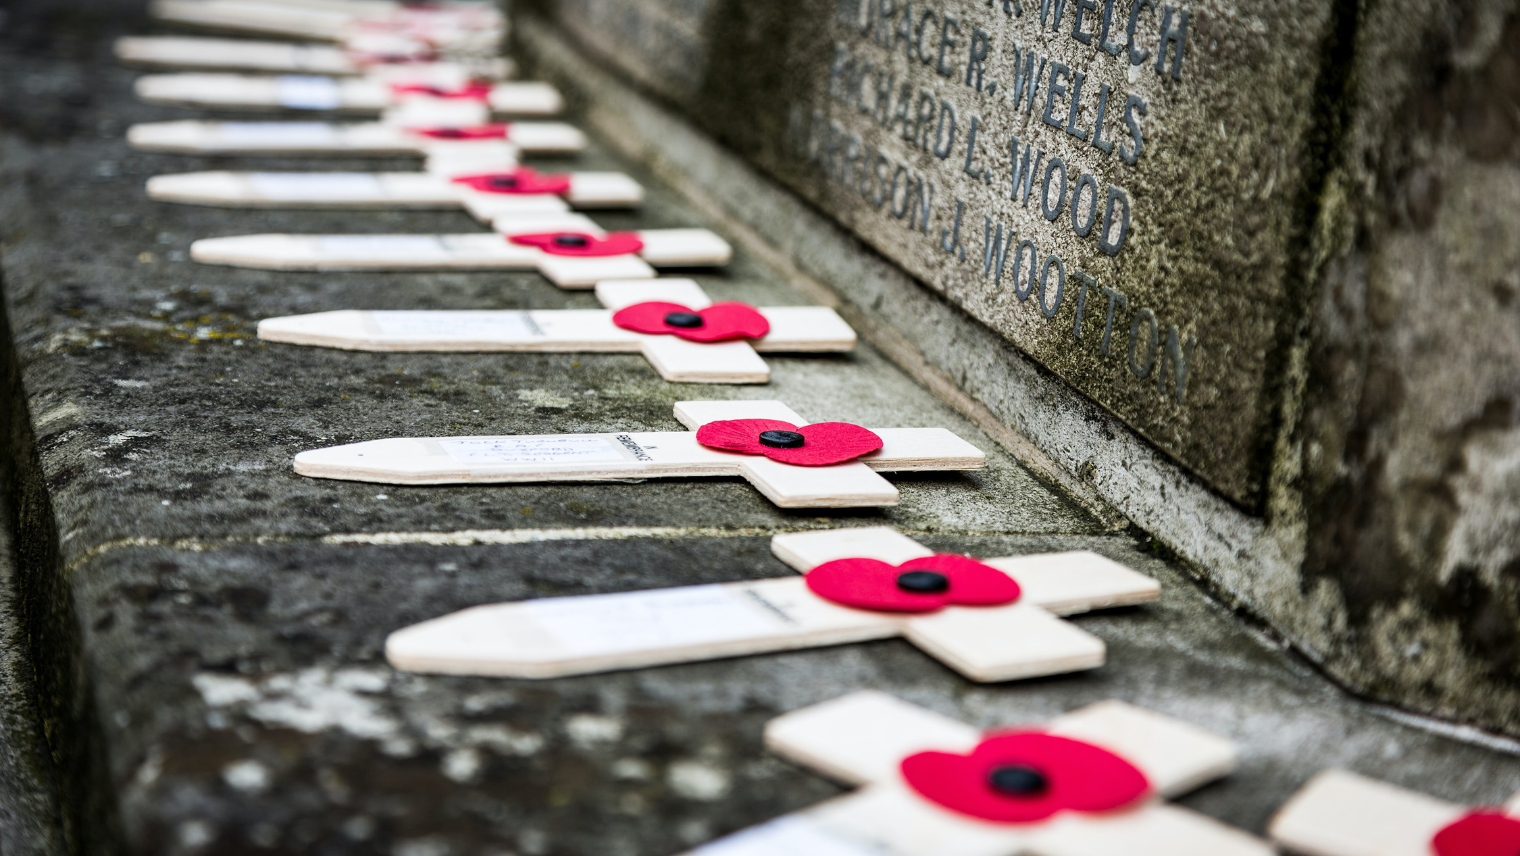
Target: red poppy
column 1023, row 776
column 719, row 322
column 816, row 445
column 582, row 243
column 917, row 585
column 473, row 91
column 1483, row 832
column 491, row 131
column 522, row 180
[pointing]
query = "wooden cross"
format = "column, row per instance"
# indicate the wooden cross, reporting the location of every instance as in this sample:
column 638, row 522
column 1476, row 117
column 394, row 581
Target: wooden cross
column 474, row 27
column 321, row 92
column 660, row 248
column 1342, row 814
column 445, row 184
column 648, row 454
column 360, row 55
column 793, row 329
column 553, row 637
column 861, row 738
column 404, row 132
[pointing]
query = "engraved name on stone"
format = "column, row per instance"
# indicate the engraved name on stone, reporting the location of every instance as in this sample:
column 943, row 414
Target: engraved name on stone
column 1106, row 120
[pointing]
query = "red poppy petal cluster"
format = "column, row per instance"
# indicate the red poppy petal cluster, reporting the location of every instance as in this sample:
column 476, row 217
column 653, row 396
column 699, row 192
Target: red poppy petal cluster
column 523, row 180
column 491, row 131
column 472, row 91
column 872, row 584
column 721, row 322
column 824, row 443
column 585, row 245
column 1485, row 832
column 1078, row 776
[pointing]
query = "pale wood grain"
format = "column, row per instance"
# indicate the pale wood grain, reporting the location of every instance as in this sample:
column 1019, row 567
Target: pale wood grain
column 327, row 94
column 431, row 252
column 1340, row 813
column 434, row 188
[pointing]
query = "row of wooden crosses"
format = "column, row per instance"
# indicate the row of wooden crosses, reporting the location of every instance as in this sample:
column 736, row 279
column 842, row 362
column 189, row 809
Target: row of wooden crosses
column 1092, row 782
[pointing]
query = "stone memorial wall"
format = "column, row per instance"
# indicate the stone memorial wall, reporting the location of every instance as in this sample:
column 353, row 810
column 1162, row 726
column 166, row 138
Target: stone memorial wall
column 1117, row 188
column 1278, row 329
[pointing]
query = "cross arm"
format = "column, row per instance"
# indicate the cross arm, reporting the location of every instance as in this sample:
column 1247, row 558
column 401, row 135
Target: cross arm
column 364, row 252
column 1004, row 643
column 552, row 637
column 1175, row 756
column 193, row 136
column 257, row 92
column 526, row 99
column 517, row 458
column 1154, row 829
column 469, row 330
column 861, row 737
column 1342, row 814
column 198, row 52
column 306, row 189
column 459, row 157
column 804, row 551
column 324, row 24
column 546, row 137
column 1079, row 581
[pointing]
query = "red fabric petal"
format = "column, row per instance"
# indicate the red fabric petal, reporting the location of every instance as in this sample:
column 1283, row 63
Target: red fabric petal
column 1079, row 777
column 971, row 582
column 1481, row 833
column 872, row 584
column 472, row 91
column 524, row 180
column 611, row 244
column 740, row 435
column 721, row 322
column 647, row 317
column 493, row 131
column 827, row 443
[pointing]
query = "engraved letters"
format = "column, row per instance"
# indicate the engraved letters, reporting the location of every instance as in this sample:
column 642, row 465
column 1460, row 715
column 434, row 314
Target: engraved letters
column 929, row 95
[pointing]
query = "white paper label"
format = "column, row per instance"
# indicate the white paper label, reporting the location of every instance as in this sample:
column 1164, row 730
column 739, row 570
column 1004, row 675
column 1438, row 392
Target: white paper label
column 549, row 449
column 316, row 186
column 403, row 247
column 643, row 620
column 276, row 134
column 458, row 326
column 794, row 835
column 307, row 92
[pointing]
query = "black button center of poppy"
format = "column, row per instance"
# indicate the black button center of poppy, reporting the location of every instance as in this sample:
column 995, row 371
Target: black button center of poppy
column 571, row 240
column 926, row 582
column 1016, row 780
column 504, row 181
column 782, row 439
column 685, row 320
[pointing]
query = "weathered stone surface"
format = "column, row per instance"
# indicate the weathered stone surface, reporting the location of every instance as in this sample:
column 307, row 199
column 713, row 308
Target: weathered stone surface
column 1411, row 420
column 1384, row 545
column 911, row 124
column 229, row 615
